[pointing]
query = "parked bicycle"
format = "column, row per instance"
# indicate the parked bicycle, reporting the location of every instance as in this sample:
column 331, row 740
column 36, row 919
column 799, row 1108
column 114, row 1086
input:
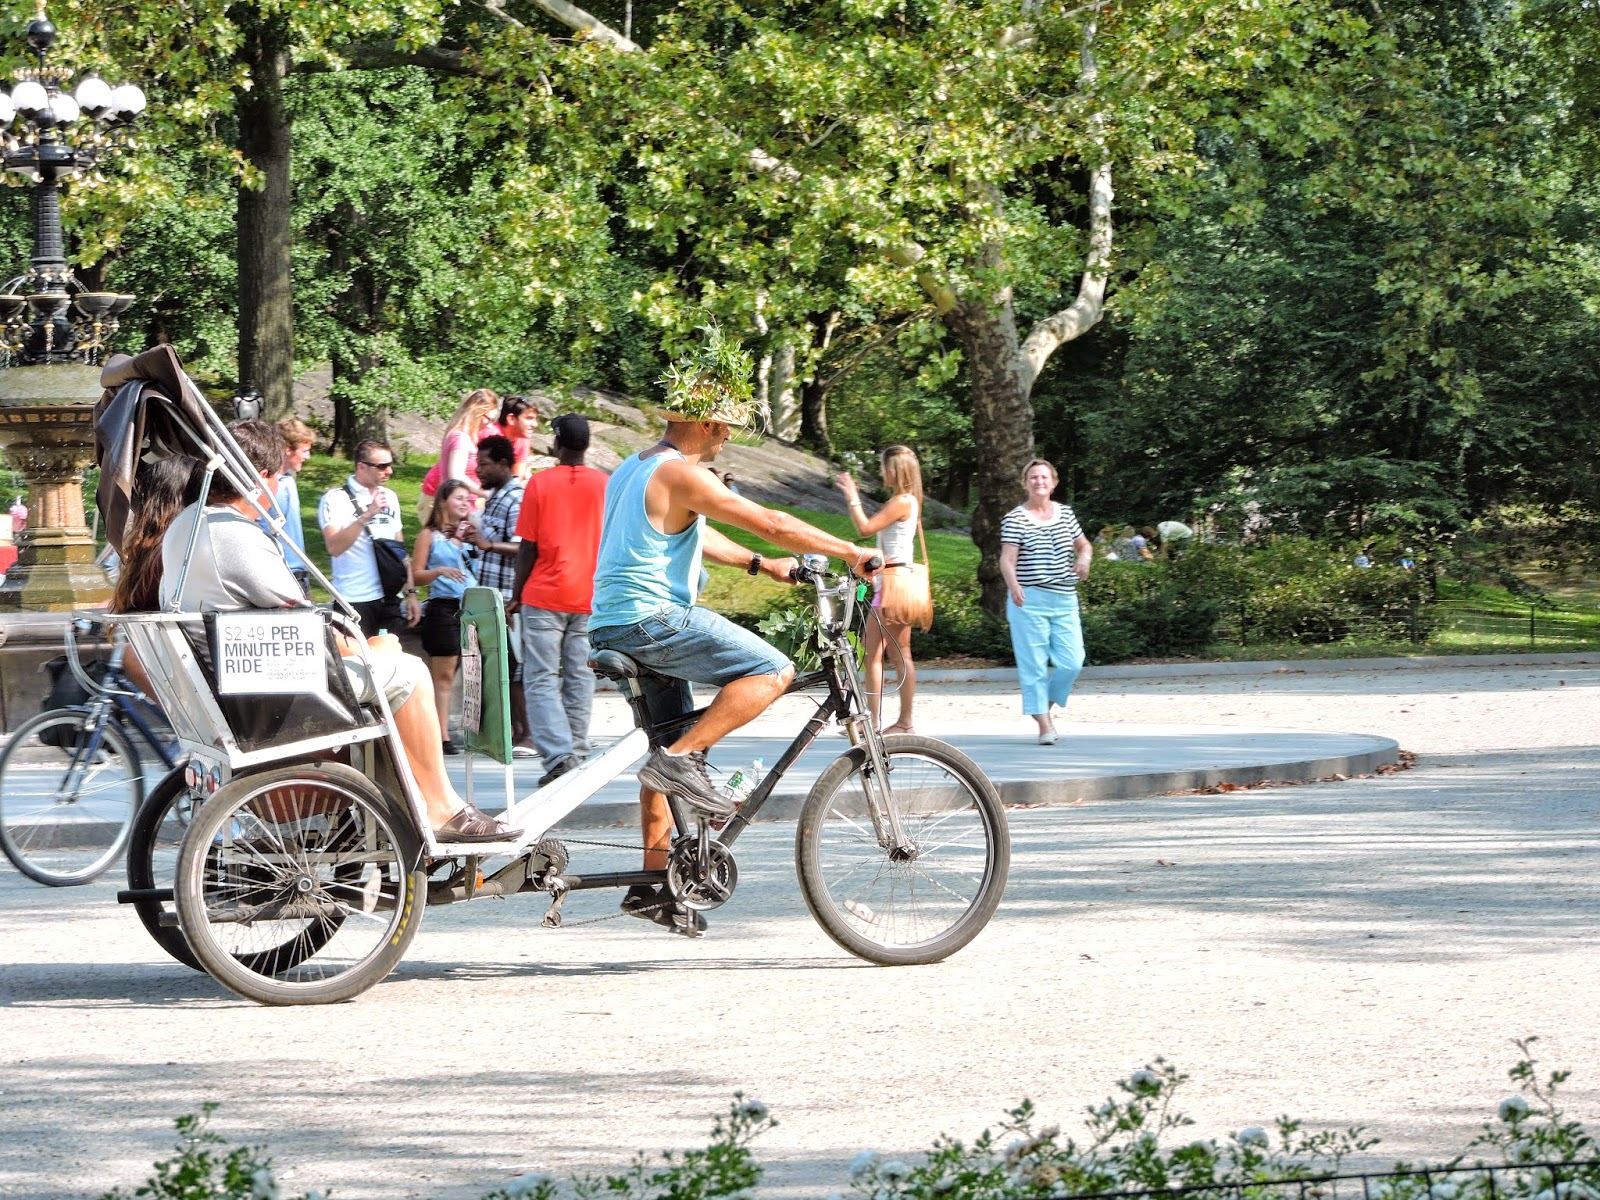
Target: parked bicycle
column 72, row 778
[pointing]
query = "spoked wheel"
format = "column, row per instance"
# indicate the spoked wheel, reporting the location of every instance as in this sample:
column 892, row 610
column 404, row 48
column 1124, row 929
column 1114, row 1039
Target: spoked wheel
column 920, row 902
column 68, row 792
column 164, row 818
column 300, row 885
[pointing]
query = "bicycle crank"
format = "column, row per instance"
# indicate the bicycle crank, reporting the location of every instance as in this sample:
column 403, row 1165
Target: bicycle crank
column 698, row 886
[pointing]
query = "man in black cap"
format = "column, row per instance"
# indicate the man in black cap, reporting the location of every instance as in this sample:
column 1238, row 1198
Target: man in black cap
column 560, row 530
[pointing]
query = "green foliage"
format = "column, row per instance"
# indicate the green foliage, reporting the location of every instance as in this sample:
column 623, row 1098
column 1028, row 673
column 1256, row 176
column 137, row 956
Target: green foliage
column 1132, row 1141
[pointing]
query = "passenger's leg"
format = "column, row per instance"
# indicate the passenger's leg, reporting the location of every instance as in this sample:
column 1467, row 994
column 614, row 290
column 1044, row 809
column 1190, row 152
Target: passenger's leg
column 417, row 723
column 541, row 666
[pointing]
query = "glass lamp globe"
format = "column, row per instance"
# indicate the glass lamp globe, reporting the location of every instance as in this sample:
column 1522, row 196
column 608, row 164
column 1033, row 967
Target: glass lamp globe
column 127, row 100
column 30, row 97
column 93, row 95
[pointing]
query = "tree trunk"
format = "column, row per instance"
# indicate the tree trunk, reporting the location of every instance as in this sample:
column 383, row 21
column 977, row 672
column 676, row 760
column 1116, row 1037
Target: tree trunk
column 785, row 400
column 359, row 314
column 265, row 236
column 814, row 418
column 1002, row 427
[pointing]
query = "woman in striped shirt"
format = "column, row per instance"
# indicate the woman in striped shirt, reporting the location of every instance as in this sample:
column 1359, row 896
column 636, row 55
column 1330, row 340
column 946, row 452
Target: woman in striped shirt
column 1043, row 555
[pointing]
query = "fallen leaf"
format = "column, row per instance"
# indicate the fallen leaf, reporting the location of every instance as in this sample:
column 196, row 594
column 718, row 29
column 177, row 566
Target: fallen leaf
column 1161, row 862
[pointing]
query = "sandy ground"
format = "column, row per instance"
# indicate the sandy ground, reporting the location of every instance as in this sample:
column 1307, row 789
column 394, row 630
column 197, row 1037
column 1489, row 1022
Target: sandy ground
column 1359, row 953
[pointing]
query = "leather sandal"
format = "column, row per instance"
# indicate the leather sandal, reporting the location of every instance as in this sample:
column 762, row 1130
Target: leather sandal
column 472, row 825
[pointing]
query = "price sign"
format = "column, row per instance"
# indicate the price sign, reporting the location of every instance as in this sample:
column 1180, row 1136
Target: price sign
column 270, row 655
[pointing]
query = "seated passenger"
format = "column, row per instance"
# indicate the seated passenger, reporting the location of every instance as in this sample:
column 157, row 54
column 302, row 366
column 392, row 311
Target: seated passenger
column 236, row 565
column 160, row 491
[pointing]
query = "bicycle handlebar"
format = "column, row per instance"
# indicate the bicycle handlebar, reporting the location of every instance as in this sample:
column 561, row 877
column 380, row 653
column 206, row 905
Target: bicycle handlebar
column 812, row 568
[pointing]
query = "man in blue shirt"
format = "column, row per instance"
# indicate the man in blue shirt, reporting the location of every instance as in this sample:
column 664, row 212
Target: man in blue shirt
column 297, row 439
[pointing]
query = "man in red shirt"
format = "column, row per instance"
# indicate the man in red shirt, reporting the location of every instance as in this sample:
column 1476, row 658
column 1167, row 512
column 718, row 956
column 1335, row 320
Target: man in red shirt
column 560, row 530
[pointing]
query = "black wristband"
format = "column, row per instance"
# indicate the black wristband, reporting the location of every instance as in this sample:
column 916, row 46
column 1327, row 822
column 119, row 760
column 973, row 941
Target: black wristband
column 755, row 565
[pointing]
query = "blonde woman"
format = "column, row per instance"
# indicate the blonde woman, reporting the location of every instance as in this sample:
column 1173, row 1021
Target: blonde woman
column 458, row 451
column 1044, row 555
column 895, row 526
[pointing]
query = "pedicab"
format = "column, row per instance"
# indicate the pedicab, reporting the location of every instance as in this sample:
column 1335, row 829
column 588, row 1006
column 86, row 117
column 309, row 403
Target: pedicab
column 290, row 855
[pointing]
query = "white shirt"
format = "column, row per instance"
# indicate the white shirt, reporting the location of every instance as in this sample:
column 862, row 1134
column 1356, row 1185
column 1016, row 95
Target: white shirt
column 355, row 572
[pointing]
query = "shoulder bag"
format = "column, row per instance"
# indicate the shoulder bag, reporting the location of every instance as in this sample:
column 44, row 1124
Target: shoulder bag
column 906, row 598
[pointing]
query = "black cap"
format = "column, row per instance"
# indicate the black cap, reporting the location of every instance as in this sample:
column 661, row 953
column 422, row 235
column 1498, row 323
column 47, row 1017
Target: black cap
column 572, row 432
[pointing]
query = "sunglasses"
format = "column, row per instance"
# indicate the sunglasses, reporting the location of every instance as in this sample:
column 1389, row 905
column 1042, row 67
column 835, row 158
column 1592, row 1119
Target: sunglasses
column 382, row 466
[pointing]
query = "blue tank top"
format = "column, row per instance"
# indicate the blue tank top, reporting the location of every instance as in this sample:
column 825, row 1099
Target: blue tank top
column 442, row 552
column 641, row 570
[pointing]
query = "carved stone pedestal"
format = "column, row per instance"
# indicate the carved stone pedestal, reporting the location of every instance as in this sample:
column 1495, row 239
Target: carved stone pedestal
column 47, row 429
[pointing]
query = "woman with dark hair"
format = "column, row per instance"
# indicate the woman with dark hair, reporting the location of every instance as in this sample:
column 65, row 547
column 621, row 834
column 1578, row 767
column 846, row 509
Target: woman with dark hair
column 161, row 490
column 518, row 421
column 442, row 552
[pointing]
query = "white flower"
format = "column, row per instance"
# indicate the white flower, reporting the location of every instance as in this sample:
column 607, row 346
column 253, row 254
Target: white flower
column 262, row 1185
column 1513, row 1108
column 1253, row 1135
column 894, row 1170
column 864, row 1163
column 529, row 1184
column 1145, row 1080
column 754, row 1109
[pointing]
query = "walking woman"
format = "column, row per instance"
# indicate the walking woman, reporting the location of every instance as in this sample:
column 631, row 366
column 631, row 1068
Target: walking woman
column 458, row 451
column 895, row 525
column 1044, row 555
column 442, row 549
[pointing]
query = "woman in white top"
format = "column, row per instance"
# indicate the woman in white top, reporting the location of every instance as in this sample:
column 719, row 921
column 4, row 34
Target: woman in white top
column 1043, row 557
column 895, row 525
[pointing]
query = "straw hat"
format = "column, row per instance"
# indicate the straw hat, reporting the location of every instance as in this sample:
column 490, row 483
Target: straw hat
column 713, row 384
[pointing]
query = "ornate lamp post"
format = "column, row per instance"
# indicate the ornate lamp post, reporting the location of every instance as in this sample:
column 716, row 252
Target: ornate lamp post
column 53, row 332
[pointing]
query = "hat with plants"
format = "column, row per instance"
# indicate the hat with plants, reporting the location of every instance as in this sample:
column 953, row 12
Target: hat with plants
column 712, row 384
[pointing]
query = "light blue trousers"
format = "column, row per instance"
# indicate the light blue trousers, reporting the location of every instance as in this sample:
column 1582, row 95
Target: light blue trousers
column 557, row 681
column 1047, row 638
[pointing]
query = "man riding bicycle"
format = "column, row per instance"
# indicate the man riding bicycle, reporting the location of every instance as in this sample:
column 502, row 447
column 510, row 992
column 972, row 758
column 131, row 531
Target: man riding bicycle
column 653, row 539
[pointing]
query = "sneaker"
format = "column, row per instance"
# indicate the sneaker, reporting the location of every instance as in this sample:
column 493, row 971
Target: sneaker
column 685, row 777
column 450, row 747
column 652, row 904
column 521, row 751
column 567, row 762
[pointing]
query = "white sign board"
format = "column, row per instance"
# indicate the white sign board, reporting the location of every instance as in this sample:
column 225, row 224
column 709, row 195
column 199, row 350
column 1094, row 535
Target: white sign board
column 270, row 655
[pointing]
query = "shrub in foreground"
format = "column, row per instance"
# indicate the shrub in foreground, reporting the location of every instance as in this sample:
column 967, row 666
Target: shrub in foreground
column 1131, row 1142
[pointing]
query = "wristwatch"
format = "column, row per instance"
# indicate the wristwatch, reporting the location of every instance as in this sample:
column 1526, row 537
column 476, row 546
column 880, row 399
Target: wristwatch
column 410, row 591
column 755, row 565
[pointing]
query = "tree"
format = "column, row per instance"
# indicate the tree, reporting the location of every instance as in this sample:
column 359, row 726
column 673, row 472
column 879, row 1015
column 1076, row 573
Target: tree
column 952, row 154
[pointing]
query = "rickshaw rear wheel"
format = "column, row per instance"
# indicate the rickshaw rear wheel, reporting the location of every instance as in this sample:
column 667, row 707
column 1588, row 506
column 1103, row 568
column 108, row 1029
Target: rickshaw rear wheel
column 300, row 885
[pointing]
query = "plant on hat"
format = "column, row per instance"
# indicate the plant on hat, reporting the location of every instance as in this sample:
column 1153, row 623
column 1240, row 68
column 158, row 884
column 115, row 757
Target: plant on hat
column 712, row 384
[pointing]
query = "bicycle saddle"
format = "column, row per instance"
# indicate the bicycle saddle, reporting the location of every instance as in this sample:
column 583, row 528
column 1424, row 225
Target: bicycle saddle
column 615, row 665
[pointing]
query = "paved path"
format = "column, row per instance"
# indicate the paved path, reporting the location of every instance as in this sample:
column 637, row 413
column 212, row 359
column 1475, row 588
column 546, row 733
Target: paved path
column 1352, row 953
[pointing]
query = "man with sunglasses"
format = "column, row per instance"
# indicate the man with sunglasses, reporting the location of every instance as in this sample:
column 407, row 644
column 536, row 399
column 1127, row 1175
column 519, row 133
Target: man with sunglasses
column 353, row 518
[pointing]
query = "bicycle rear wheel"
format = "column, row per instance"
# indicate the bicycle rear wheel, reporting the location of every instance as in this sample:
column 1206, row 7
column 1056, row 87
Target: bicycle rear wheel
column 69, row 788
column 925, row 903
column 300, row 885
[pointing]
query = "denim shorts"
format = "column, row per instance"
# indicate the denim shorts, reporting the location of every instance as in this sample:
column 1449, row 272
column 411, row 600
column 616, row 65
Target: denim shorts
column 692, row 645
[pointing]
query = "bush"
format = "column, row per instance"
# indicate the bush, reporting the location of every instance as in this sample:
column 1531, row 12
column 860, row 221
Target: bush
column 1128, row 1146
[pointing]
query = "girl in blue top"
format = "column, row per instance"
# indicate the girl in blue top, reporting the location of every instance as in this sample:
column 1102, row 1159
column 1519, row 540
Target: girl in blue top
column 443, row 551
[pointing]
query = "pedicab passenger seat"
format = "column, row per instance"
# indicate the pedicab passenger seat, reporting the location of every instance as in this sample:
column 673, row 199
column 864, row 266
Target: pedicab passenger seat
column 248, row 730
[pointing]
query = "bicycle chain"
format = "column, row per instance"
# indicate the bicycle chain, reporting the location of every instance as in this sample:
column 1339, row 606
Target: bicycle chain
column 645, row 912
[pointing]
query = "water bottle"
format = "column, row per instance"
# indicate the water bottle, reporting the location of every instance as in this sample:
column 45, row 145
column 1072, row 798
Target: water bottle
column 743, row 782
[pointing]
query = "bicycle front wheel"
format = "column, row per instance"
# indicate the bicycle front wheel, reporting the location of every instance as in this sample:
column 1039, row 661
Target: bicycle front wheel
column 300, row 885
column 924, row 901
column 69, row 788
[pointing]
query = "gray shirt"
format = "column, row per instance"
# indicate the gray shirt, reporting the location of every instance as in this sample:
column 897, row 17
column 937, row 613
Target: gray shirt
column 234, row 564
